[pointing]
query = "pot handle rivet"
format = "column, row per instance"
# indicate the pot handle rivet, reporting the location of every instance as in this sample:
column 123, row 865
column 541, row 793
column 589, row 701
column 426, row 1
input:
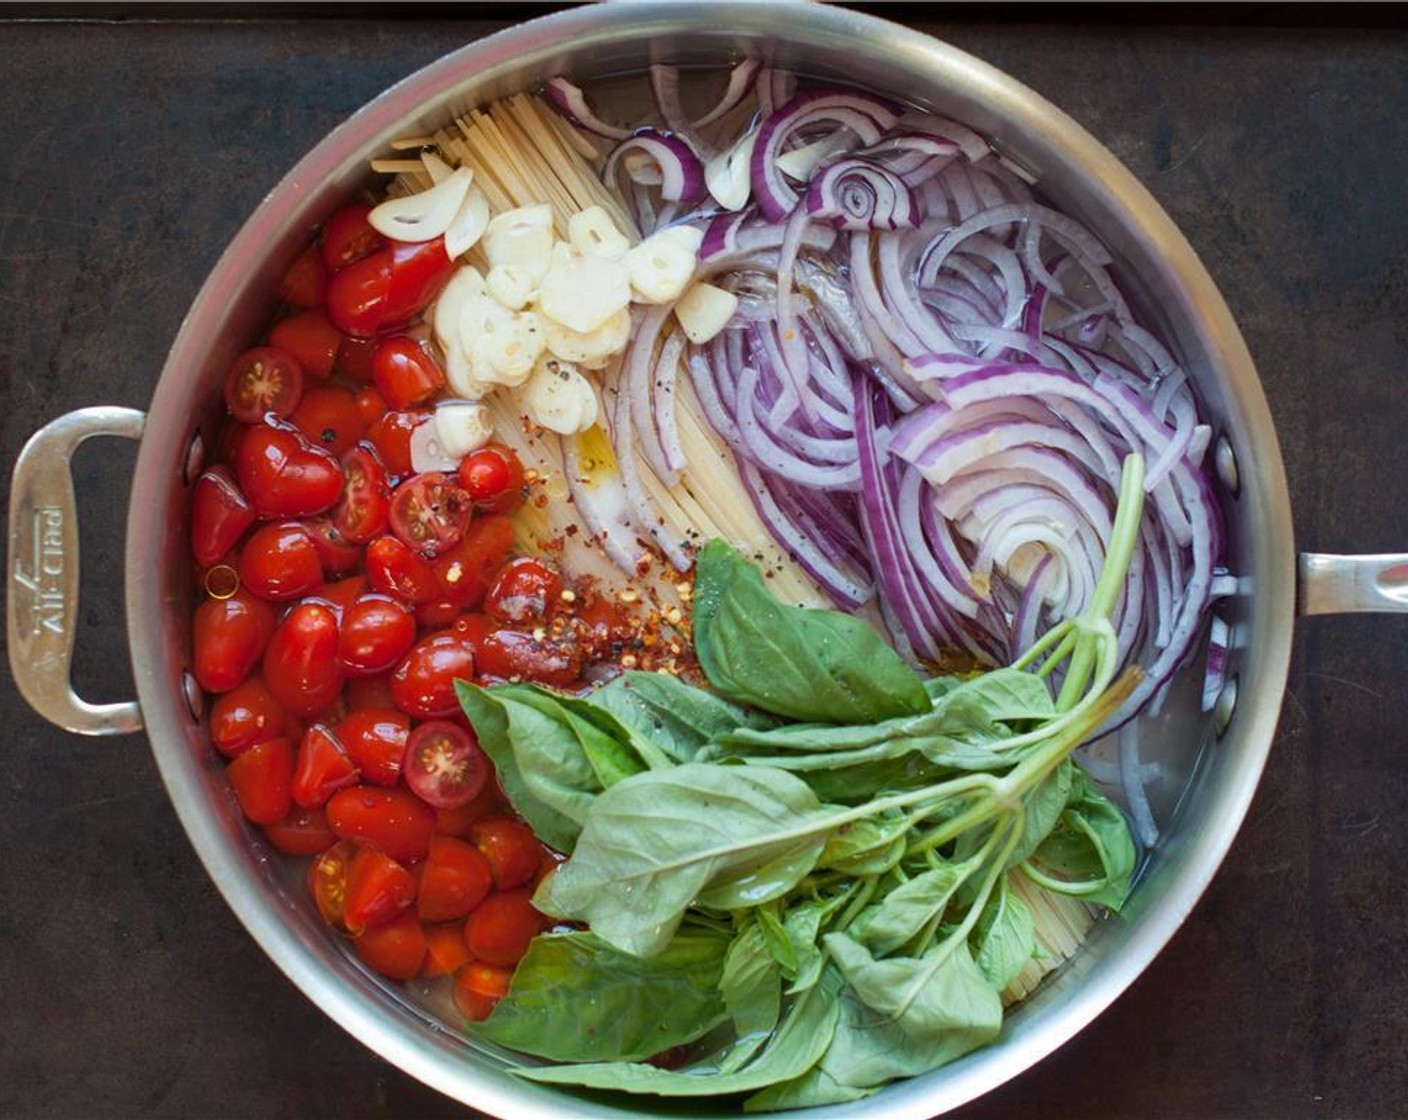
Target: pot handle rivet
column 42, row 606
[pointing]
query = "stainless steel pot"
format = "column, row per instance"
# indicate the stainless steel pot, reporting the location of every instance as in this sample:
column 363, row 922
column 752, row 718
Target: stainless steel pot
column 1212, row 764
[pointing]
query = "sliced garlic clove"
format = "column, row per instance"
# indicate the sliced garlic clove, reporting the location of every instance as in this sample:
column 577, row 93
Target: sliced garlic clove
column 468, row 224
column 507, row 350
column 661, row 267
column 799, row 163
column 728, row 174
column 465, row 283
column 462, row 427
column 423, row 216
column 592, row 231
column 559, row 398
column 428, row 451
column 511, row 286
column 591, row 348
column 435, row 167
column 704, row 310
column 521, row 239
column 685, row 236
column 582, row 291
column 459, row 372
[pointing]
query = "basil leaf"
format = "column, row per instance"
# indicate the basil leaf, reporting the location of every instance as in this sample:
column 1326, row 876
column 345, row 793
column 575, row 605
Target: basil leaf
column 676, row 716
column 868, row 846
column 1004, row 940
column 794, row 661
column 620, row 1006
column 1042, row 808
column 751, row 987
column 906, row 909
column 1089, row 853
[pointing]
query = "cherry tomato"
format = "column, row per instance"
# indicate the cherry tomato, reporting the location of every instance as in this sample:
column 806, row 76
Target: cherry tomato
column 424, row 683
column 354, row 362
column 246, row 715
column 464, row 570
column 395, row 820
column 376, row 633
column 604, row 625
column 348, row 237
column 391, row 436
column 437, row 614
column 445, row 951
column 526, row 591
column 329, row 417
column 300, row 665
column 501, row 928
column 364, row 693
column 394, row 949
column 389, row 288
column 430, row 513
column 336, row 553
column 515, row 655
column 280, row 561
column 263, row 380
column 219, row 516
column 457, row 821
column 473, row 628
column 456, row 879
column 283, row 475
column 513, row 852
column 370, row 404
column 356, row 300
column 375, row 739
column 311, row 339
column 404, row 372
column 551, row 862
column 228, row 636
column 478, row 987
column 321, row 769
column 327, row 881
column 343, row 593
column 378, row 889
column 261, row 778
column 306, row 281
column 364, row 508
column 445, row 765
column 304, row 832
column 494, row 477
column 393, row 569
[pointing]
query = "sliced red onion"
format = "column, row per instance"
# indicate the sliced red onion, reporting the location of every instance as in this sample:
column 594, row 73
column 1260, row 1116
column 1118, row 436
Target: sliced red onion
column 1215, row 675
column 740, row 82
column 681, row 173
column 857, row 194
column 571, row 102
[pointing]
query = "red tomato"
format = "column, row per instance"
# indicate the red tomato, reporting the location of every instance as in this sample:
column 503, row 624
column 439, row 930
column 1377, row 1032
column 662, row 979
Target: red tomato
column 378, row 888
column 356, row 299
column 391, row 436
column 300, row 665
column 327, row 881
column 444, row 764
column 283, row 475
column 501, row 928
column 494, row 477
column 306, row 281
column 456, row 879
column 364, row 508
column 393, row 569
column 473, row 628
column 464, row 571
column 375, row 739
column 322, row 767
column 513, row 852
column 348, row 237
column 219, row 516
column 304, row 832
column 329, row 418
column 603, row 624
column 395, row 820
column 404, row 372
column 370, row 404
column 445, row 952
column 394, row 949
column 343, row 593
column 437, row 614
column 311, row 339
column 478, row 987
column 526, row 591
column 261, row 778
column 245, row 715
column 228, row 636
column 336, row 553
column 389, row 288
column 376, row 633
column 430, row 513
column 424, row 683
column 263, row 380
column 354, row 362
column 515, row 655
column 363, row 693
column 280, row 561
column 457, row 821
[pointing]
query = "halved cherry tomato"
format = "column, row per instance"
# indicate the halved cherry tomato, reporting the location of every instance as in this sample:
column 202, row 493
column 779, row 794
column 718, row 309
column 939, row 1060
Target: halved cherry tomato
column 364, row 693
column 375, row 739
column 365, row 506
column 327, row 881
column 261, row 778
column 389, row 288
column 376, row 633
column 280, row 561
column 395, row 820
column 329, row 417
column 516, row 655
column 424, row 683
column 322, row 767
column 513, row 852
column 378, row 889
column 263, row 380
column 478, row 987
column 445, row 765
column 300, row 665
column 464, row 570
column 283, row 475
column 336, row 553
column 456, row 879
column 391, row 436
column 430, row 513
column 526, row 591
column 501, row 928
column 228, row 637
column 311, row 339
column 246, row 715
column 494, row 477
column 348, row 237
column 306, row 281
column 304, row 832
column 445, row 951
column 393, row 569
column 394, row 949
column 404, row 372
column 219, row 515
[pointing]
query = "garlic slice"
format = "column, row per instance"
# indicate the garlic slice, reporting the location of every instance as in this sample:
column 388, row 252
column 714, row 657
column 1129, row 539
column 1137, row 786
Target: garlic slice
column 662, row 265
column 462, row 427
column 423, row 216
column 507, row 349
column 511, row 286
column 521, row 239
column 435, row 167
column 704, row 310
column 428, row 451
column 582, row 291
column 593, row 231
column 464, row 284
column 727, row 175
column 468, row 225
column 559, row 398
column 589, row 348
column 460, row 374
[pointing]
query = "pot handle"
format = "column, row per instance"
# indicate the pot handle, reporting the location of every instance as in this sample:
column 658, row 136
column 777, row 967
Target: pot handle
column 42, row 605
column 1343, row 584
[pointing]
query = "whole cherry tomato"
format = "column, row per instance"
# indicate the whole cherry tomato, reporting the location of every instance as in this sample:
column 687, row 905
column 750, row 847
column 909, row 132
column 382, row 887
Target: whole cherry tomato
column 378, row 889
column 342, row 593
column 261, row 778
column 473, row 628
column 375, row 739
column 502, row 927
column 354, row 362
column 393, row 569
column 364, row 693
column 513, row 852
column 336, row 553
column 430, row 513
column 478, row 987
column 455, row 880
column 391, row 436
column 263, row 380
column 280, row 561
column 304, row 832
column 437, row 614
column 348, row 237
column 515, row 655
column 424, row 683
column 306, row 281
column 376, row 633
column 404, row 372
column 219, row 516
column 228, row 636
column 321, row 767
column 389, row 288
column 329, row 417
column 526, row 591
column 283, row 475
column 457, row 821
column 300, row 665
column 465, row 569
column 494, row 477
column 394, row 949
column 395, row 820
column 364, row 508
column 311, row 339
column 246, row 715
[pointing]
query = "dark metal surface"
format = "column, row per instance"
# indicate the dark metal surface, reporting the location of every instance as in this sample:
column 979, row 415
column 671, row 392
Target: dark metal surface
column 132, row 151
